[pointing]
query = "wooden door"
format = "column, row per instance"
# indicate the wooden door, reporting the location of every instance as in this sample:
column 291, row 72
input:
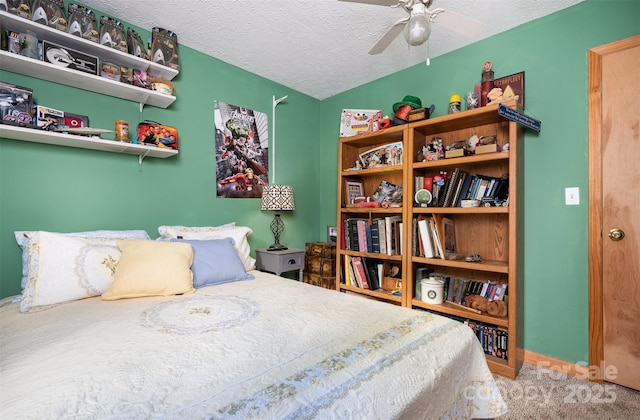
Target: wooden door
column 614, row 212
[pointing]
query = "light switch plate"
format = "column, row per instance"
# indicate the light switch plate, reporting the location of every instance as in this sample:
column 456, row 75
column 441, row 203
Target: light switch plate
column 572, row 196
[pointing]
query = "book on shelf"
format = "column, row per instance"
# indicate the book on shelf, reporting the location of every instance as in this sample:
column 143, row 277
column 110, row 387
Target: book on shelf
column 382, row 233
column 416, row 244
column 371, row 271
column 450, row 187
column 360, row 272
column 362, row 235
column 436, row 227
column 356, row 281
column 462, row 178
column 392, row 235
column 464, row 190
column 345, row 270
column 425, row 238
column 374, row 236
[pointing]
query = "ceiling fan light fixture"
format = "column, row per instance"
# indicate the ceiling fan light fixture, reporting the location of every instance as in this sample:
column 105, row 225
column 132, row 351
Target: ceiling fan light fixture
column 417, row 30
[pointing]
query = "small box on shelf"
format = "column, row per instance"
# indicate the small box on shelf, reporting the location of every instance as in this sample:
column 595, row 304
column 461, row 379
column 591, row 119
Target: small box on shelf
column 486, row 148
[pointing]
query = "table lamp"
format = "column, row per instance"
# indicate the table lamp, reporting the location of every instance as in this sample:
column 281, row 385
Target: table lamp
column 277, row 198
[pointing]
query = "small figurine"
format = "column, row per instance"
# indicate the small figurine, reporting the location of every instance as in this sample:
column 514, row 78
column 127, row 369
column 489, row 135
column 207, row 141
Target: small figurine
column 472, row 143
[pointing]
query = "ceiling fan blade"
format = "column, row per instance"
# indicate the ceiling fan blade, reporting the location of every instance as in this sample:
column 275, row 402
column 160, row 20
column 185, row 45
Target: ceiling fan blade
column 388, row 38
column 459, row 23
column 376, row 2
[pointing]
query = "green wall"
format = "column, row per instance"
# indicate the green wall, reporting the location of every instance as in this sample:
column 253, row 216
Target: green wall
column 553, row 53
column 47, row 187
column 54, row 188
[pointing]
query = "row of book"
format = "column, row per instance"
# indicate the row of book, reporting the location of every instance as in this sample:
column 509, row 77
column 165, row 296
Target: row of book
column 382, row 235
column 449, row 192
column 429, row 236
column 456, row 289
column 362, row 272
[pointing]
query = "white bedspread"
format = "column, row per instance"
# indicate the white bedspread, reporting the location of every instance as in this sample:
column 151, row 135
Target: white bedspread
column 269, row 348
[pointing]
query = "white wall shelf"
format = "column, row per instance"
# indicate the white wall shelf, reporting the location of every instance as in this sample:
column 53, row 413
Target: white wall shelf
column 47, row 71
column 83, row 142
column 18, row 24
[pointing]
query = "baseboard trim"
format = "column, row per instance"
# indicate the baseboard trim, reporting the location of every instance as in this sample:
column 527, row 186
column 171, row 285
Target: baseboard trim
column 557, row 365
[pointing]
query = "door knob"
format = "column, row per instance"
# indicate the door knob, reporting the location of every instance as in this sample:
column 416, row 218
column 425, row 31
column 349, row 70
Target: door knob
column 616, row 234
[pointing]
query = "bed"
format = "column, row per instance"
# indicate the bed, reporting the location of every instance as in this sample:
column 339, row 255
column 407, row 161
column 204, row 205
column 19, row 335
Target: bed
column 263, row 347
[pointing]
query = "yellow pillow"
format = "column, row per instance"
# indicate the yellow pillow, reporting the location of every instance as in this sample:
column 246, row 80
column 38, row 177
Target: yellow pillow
column 151, row 268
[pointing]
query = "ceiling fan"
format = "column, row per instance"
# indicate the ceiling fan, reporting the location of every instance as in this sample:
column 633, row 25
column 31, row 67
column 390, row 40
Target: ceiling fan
column 417, row 26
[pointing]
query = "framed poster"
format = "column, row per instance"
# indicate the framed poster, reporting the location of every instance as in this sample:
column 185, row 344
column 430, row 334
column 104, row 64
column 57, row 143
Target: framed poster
column 512, row 87
column 241, row 140
column 354, row 190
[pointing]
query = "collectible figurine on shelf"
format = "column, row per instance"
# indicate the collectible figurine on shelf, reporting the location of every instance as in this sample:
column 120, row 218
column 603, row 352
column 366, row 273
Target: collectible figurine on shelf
column 472, row 143
column 431, row 151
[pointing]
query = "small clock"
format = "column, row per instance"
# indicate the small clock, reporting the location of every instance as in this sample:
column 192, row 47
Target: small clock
column 423, row 197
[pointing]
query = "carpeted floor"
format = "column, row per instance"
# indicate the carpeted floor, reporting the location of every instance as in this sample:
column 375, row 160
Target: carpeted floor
column 540, row 393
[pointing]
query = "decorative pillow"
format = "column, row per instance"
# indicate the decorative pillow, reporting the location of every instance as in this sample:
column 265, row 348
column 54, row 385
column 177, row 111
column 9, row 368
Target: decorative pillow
column 151, row 268
column 215, row 261
column 239, row 235
column 63, row 268
column 24, row 237
column 168, row 232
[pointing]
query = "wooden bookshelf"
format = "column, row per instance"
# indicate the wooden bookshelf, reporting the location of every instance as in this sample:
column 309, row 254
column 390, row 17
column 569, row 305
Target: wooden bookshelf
column 494, row 232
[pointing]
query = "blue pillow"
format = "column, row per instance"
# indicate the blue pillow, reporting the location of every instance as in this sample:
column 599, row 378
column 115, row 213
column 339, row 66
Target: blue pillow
column 215, row 261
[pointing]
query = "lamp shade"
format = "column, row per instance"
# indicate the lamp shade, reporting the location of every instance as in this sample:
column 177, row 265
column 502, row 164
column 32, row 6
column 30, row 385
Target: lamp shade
column 277, row 197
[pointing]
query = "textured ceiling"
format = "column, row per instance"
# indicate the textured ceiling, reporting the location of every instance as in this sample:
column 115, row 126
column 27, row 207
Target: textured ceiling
column 317, row 47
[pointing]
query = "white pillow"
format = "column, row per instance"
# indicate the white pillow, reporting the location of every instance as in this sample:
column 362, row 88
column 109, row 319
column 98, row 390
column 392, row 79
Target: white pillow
column 169, row 232
column 24, row 237
column 239, row 234
column 64, row 268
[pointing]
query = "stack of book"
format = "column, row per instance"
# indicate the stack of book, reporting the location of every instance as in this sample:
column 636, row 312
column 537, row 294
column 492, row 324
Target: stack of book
column 362, row 272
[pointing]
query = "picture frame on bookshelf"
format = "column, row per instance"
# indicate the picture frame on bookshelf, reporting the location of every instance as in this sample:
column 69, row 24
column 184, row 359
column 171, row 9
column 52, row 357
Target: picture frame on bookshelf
column 449, row 239
column 354, row 189
column 387, row 154
column 512, row 87
column 332, row 234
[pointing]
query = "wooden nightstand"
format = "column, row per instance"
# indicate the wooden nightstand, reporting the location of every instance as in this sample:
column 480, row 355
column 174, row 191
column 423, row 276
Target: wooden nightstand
column 279, row 262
